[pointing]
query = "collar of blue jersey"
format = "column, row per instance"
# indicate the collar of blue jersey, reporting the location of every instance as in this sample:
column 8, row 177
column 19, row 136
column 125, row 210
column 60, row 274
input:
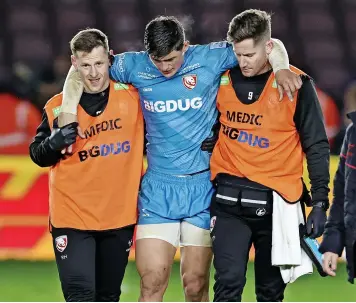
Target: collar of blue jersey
column 181, row 67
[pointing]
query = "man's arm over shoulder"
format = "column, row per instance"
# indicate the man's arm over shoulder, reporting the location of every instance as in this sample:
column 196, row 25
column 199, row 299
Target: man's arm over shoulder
column 278, row 58
column 123, row 66
column 220, row 55
column 40, row 151
column 308, row 119
column 334, row 234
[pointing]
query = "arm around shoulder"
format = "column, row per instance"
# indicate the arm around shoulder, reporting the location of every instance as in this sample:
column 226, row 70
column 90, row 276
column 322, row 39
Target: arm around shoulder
column 278, row 58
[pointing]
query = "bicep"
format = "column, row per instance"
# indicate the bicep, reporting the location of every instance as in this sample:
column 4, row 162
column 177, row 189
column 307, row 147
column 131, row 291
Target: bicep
column 43, row 130
column 221, row 56
column 119, row 68
column 229, row 59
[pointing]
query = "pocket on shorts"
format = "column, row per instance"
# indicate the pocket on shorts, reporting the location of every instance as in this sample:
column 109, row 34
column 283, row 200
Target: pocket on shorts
column 256, row 202
column 227, row 195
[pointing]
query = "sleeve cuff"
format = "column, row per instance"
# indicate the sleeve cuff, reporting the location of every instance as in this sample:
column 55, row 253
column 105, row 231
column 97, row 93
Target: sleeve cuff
column 332, row 243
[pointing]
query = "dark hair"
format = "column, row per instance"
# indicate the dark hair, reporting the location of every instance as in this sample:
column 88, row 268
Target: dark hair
column 86, row 40
column 163, row 35
column 252, row 23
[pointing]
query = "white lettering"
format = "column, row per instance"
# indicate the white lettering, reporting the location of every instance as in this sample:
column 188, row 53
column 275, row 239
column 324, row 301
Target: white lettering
column 147, row 105
column 121, row 63
column 159, row 107
column 196, row 103
column 189, row 68
column 146, row 76
column 187, row 104
column 173, row 105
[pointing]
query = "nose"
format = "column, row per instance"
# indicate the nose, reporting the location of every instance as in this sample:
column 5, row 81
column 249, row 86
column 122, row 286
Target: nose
column 93, row 72
column 166, row 66
column 242, row 62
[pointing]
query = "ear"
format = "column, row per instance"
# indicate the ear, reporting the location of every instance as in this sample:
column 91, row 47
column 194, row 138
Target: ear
column 269, row 46
column 111, row 57
column 185, row 46
column 73, row 59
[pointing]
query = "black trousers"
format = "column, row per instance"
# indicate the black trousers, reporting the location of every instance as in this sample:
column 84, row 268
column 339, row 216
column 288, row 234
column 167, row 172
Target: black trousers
column 232, row 237
column 91, row 264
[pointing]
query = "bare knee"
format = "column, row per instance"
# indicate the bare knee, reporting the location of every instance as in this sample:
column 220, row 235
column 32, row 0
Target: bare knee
column 154, row 259
column 196, row 286
column 154, row 284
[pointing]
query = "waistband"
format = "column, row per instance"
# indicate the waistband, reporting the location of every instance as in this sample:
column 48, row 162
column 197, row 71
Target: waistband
column 197, row 177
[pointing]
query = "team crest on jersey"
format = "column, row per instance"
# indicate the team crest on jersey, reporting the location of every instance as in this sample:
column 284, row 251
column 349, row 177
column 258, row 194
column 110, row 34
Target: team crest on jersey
column 61, row 243
column 190, row 81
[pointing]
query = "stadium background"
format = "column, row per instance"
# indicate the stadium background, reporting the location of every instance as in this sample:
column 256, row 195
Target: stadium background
column 34, row 35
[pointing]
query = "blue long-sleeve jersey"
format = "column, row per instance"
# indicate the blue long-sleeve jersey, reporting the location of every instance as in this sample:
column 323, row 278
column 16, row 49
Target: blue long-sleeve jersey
column 179, row 111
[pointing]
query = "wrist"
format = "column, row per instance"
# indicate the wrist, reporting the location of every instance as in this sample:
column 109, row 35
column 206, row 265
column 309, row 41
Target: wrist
column 278, row 57
column 50, row 144
column 321, row 204
column 72, row 91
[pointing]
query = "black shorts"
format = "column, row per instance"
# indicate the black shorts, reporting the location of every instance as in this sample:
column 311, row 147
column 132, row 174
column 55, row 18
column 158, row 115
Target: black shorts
column 91, row 264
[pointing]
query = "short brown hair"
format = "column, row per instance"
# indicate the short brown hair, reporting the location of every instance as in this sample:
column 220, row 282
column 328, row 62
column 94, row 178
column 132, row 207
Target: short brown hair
column 252, row 23
column 86, row 40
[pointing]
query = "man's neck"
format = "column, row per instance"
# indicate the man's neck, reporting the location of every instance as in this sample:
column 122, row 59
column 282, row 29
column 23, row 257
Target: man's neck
column 267, row 67
column 86, row 90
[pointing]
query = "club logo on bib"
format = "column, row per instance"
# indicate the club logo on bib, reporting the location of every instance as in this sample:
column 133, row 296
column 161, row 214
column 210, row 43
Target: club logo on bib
column 190, row 81
column 212, row 223
column 61, row 243
column 260, row 212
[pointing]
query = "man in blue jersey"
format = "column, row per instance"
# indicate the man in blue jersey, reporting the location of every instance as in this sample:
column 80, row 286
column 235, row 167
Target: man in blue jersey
column 177, row 84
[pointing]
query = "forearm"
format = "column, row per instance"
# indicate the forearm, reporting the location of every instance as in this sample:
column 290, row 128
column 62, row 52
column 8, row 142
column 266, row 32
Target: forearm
column 317, row 157
column 308, row 120
column 40, row 151
column 334, row 234
column 333, row 240
column 42, row 154
column 278, row 58
column 72, row 92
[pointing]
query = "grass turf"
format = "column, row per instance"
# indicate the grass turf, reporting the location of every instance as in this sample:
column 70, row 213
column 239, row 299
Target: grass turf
column 38, row 281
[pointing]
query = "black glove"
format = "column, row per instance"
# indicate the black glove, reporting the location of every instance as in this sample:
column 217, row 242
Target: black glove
column 63, row 137
column 209, row 143
column 316, row 220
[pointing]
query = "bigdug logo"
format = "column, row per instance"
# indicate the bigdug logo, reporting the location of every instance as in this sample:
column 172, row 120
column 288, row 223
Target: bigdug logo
column 173, row 105
column 104, row 150
column 245, row 137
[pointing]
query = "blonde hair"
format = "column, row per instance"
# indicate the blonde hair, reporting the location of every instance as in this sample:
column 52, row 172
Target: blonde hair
column 86, row 40
column 252, row 23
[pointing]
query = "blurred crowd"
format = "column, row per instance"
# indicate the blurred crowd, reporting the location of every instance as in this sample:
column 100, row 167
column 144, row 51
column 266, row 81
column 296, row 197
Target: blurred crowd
column 22, row 99
column 321, row 46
